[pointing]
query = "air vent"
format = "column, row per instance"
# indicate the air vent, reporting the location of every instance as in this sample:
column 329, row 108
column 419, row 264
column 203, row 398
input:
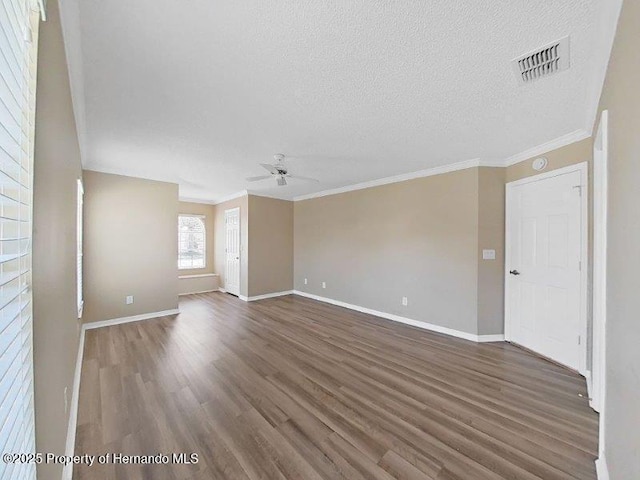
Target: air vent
column 543, row 62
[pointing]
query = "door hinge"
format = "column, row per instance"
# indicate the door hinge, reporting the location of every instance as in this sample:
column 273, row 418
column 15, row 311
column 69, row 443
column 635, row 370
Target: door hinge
column 579, row 340
column 580, row 265
column 579, row 187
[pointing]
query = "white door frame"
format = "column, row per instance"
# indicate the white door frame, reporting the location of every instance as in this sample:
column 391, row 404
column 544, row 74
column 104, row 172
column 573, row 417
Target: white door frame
column 600, row 180
column 583, row 168
column 239, row 249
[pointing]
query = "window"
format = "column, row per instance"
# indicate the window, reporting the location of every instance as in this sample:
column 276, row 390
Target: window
column 18, row 61
column 80, row 201
column 191, row 242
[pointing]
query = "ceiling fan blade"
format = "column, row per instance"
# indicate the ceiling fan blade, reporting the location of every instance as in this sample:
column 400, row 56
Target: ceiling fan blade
column 306, row 179
column 281, row 181
column 270, row 168
column 255, row 179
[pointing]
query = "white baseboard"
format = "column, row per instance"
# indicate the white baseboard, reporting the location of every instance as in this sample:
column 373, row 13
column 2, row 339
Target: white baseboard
column 201, row 291
column 589, row 379
column 267, row 295
column 601, row 469
column 499, row 337
column 245, row 298
column 67, row 471
column 241, row 297
column 408, row 321
column 134, row 318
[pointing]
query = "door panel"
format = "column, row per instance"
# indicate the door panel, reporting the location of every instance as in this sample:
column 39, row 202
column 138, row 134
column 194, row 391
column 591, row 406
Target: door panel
column 545, row 247
column 558, row 244
column 527, row 305
column 529, row 238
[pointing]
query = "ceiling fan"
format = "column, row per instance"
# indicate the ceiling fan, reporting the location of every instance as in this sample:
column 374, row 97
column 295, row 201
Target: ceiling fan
column 279, row 171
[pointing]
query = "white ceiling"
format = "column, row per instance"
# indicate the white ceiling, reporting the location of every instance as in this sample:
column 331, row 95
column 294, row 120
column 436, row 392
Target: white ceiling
column 200, row 92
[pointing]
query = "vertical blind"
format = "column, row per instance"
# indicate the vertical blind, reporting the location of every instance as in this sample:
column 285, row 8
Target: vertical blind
column 18, row 47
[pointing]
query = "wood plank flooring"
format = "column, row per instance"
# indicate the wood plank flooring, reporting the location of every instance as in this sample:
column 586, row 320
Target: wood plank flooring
column 290, row 388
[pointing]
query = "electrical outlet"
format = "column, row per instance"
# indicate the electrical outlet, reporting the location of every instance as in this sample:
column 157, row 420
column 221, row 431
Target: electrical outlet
column 488, row 254
column 324, row 284
column 306, row 281
column 405, row 301
column 129, row 299
column 66, row 400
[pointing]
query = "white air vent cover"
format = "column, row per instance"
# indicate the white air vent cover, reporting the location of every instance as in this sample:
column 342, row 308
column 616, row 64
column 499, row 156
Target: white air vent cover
column 545, row 61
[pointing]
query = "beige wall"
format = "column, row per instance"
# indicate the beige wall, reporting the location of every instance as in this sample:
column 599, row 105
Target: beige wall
column 208, row 282
column 219, row 243
column 621, row 97
column 209, row 212
column 131, row 245
column 55, row 318
column 417, row 239
column 491, row 223
column 270, row 245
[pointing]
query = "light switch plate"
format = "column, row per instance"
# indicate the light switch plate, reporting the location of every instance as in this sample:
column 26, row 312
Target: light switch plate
column 488, row 254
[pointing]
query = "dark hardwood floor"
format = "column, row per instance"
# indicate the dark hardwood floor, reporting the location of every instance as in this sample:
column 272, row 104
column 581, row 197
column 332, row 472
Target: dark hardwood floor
column 292, row 388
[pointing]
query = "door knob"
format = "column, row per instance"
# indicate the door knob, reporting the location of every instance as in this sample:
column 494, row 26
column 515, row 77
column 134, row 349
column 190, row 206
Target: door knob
column 514, row 272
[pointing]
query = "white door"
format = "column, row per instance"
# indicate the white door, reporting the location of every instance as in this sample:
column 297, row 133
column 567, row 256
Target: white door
column 544, row 265
column 232, row 263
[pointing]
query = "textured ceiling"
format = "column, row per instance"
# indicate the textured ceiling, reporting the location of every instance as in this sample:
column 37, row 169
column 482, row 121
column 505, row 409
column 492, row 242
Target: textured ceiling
column 200, row 92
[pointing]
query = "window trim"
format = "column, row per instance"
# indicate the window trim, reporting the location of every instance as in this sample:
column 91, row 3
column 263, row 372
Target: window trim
column 202, row 218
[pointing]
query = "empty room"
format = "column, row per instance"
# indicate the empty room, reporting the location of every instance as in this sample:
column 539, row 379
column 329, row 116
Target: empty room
column 390, row 240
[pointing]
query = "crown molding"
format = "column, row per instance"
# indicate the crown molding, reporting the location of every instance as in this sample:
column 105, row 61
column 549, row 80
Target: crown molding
column 476, row 162
column 233, row 196
column 264, row 195
column 559, row 142
column 226, row 198
column 201, row 201
column 491, row 163
column 394, row 179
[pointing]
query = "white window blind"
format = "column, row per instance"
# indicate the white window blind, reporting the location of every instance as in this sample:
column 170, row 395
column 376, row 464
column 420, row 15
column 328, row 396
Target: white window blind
column 191, row 242
column 18, row 60
column 80, row 201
